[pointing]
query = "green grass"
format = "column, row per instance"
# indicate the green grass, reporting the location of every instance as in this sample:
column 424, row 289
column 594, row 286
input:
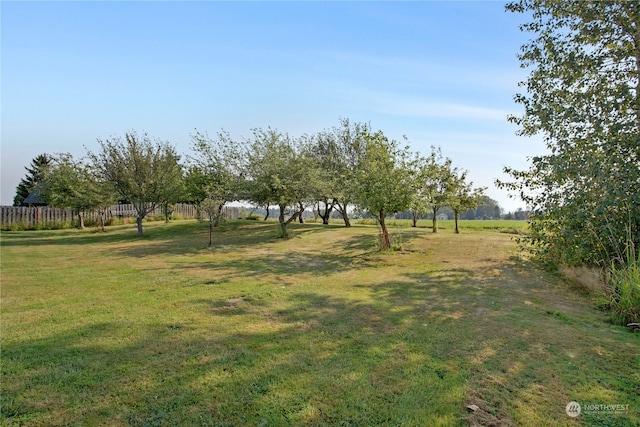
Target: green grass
column 508, row 226
column 108, row 329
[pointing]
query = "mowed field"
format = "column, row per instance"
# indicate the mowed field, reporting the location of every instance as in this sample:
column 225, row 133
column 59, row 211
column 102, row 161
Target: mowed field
column 320, row 329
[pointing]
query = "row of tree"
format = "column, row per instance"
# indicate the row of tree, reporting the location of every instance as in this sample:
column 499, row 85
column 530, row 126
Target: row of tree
column 486, row 209
column 334, row 170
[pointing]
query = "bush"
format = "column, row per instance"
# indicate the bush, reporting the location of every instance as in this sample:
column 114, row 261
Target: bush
column 623, row 289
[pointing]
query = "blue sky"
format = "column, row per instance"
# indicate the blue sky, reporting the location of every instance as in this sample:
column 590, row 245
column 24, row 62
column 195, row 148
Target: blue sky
column 441, row 73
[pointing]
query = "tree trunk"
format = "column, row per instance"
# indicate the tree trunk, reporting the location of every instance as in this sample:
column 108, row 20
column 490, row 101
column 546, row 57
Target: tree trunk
column 80, row 220
column 283, row 223
column 435, row 220
column 218, row 216
column 414, row 218
column 347, row 221
column 166, row 212
column 343, row 211
column 211, row 225
column 327, row 212
column 456, row 215
column 300, row 213
column 139, row 223
column 267, row 215
column 385, row 243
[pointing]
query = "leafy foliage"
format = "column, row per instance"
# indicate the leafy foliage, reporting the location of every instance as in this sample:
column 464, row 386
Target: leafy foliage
column 71, row 183
column 383, row 180
column 462, row 196
column 336, row 154
column 345, row 167
column 583, row 95
column 434, row 185
column 278, row 172
column 143, row 172
column 214, row 173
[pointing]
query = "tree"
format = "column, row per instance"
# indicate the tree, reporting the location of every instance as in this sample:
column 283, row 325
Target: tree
column 421, row 170
column 487, row 208
column 33, row 177
column 214, row 173
column 211, row 208
column 278, row 173
column 337, row 153
column 520, row 214
column 323, row 151
column 463, row 197
column 141, row 171
column 433, row 187
column 383, row 183
column 74, row 184
column 583, row 96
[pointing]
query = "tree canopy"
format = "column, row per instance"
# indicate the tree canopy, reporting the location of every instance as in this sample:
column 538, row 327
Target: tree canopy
column 346, row 167
column 143, row 172
column 278, row 172
column 383, row 185
column 336, row 153
column 583, row 96
column 214, row 173
column 73, row 183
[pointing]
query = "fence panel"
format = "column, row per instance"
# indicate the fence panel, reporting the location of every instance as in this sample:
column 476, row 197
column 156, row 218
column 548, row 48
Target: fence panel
column 32, row 216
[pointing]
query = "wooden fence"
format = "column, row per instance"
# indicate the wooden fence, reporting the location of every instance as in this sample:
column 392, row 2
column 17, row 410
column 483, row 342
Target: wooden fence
column 32, row 217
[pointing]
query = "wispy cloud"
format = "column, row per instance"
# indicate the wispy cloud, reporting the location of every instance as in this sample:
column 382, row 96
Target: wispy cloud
column 417, row 108
column 397, row 104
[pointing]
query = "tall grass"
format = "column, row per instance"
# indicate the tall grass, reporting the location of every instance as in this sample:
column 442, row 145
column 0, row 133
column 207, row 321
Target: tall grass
column 44, row 225
column 623, row 288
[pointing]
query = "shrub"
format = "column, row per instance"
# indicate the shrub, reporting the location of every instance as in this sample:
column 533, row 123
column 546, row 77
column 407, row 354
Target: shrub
column 252, row 217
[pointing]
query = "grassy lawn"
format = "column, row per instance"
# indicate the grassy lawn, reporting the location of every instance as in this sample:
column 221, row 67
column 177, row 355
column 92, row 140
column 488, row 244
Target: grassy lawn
column 108, row 329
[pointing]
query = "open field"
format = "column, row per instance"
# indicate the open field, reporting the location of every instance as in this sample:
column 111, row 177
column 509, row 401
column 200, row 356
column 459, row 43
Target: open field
column 449, row 224
column 108, row 329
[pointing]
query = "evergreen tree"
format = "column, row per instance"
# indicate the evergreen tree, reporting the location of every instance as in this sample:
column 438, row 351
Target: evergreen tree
column 33, row 177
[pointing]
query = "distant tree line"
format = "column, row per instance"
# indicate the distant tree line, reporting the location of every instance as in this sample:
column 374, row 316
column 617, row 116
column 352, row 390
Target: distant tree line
column 333, row 171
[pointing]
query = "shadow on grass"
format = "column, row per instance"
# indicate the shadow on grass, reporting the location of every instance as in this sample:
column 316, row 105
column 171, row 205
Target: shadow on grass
column 416, row 353
column 320, row 361
column 68, row 237
column 411, row 351
column 278, row 268
column 526, row 342
column 159, row 237
column 230, row 236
